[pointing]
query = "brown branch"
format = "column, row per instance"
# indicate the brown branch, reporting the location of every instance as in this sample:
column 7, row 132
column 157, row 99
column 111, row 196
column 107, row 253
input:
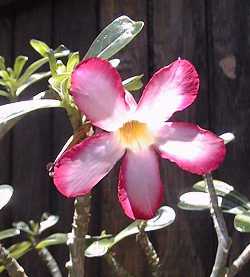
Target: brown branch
column 11, row 265
column 76, row 239
column 224, row 241
column 147, row 247
column 50, row 262
column 117, row 268
column 238, row 264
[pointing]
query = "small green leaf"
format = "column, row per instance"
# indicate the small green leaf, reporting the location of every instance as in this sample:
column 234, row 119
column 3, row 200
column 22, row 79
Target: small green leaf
column 52, row 63
column 32, row 79
column 55, row 239
column 10, row 114
column 8, row 233
column 134, row 83
column 42, row 48
column 4, row 75
column 225, row 190
column 20, row 61
column 114, row 37
column 72, row 61
column 242, row 222
column 49, row 222
column 6, row 192
column 164, row 218
column 2, row 63
column 4, row 93
column 62, row 50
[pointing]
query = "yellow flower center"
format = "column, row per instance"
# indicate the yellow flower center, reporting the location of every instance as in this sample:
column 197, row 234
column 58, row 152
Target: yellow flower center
column 135, row 135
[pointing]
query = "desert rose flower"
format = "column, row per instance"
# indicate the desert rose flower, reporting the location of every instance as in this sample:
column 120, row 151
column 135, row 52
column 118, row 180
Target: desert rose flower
column 136, row 133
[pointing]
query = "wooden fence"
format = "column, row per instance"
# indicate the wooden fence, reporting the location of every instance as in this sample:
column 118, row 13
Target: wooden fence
column 215, row 36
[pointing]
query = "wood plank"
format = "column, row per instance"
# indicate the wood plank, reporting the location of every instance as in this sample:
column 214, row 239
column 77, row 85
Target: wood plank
column 133, row 61
column 32, row 136
column 179, row 30
column 77, row 35
column 229, row 29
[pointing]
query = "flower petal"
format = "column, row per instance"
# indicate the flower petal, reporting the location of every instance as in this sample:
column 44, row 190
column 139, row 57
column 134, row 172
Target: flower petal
column 192, row 148
column 171, row 89
column 85, row 164
column 98, row 92
column 140, row 189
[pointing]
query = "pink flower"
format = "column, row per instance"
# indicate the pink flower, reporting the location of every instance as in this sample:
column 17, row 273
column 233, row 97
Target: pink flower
column 137, row 133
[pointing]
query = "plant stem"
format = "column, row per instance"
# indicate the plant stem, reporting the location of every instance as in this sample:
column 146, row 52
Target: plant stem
column 147, row 247
column 238, row 264
column 118, row 270
column 224, row 241
column 50, row 262
column 11, row 265
column 76, row 240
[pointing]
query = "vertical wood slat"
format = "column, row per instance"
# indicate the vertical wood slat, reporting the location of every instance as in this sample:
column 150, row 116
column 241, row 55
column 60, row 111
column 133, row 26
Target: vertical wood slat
column 229, row 60
column 179, row 31
column 31, row 137
column 133, row 62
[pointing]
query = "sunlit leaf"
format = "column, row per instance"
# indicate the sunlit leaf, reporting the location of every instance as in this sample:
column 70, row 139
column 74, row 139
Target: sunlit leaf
column 114, row 37
column 4, row 93
column 225, row 190
column 134, row 83
column 10, row 114
column 164, row 218
column 4, row 74
column 32, row 79
column 41, row 47
column 8, row 233
column 6, row 192
column 72, row 61
column 242, row 222
column 55, row 239
column 20, row 61
column 49, row 222
column 2, row 63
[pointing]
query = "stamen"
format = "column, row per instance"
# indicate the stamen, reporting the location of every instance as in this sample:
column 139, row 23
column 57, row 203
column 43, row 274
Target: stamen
column 135, row 135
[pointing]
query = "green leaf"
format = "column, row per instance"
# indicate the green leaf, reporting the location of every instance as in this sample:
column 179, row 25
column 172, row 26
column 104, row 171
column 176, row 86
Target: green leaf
column 198, row 201
column 114, row 37
column 2, row 63
column 32, row 79
column 164, row 218
column 134, row 83
column 6, row 192
column 8, row 233
column 4, row 93
column 225, row 190
column 41, row 47
column 62, row 50
column 72, row 61
column 20, row 61
column 4, row 75
column 10, row 114
column 242, row 222
column 55, row 239
column 47, row 223
column 22, row 226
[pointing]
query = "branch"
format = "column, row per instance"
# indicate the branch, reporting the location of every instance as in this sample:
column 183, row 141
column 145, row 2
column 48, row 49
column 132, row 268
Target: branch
column 238, row 264
column 50, row 262
column 147, row 247
column 118, row 270
column 11, row 265
column 224, row 241
column 76, row 240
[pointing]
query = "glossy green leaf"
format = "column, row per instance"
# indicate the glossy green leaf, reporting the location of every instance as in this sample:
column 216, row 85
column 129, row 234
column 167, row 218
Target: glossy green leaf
column 164, row 218
column 72, row 61
column 6, row 192
column 55, row 239
column 4, row 75
column 20, row 62
column 114, row 37
column 10, row 114
column 8, row 233
column 2, row 63
column 32, row 79
column 134, row 83
column 225, row 190
column 4, row 93
column 242, row 222
column 47, row 223
column 198, row 201
column 41, row 47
